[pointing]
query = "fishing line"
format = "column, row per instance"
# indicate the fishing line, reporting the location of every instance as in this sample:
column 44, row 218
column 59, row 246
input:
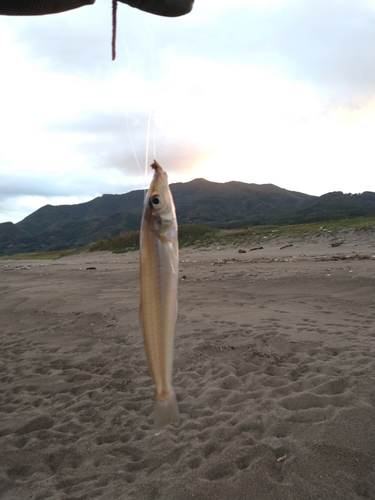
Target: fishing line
column 147, row 140
column 150, row 124
column 129, row 60
column 151, row 120
column 151, row 117
column 153, row 133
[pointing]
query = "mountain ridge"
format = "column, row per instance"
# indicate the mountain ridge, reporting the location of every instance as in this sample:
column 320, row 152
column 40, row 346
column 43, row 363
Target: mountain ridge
column 229, row 204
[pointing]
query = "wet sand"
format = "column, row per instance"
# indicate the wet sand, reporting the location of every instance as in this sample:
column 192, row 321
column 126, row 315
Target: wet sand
column 274, row 375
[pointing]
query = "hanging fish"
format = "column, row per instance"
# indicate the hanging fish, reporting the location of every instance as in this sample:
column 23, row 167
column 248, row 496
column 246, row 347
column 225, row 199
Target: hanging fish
column 159, row 277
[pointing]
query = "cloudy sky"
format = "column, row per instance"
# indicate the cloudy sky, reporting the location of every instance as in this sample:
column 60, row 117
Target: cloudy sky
column 263, row 91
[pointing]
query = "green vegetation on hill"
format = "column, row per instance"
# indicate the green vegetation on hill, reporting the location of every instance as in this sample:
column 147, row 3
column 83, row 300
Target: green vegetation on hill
column 43, row 255
column 124, row 242
column 199, row 235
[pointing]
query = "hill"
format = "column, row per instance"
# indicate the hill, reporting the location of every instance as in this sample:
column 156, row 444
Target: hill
column 230, row 204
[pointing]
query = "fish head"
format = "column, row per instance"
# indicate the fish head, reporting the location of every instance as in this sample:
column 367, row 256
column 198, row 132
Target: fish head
column 160, row 210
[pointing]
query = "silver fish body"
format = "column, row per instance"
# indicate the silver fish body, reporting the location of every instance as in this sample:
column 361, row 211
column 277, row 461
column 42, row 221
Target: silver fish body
column 159, row 279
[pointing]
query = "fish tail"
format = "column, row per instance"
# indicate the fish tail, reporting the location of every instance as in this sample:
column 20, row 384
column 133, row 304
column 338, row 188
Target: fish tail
column 166, row 412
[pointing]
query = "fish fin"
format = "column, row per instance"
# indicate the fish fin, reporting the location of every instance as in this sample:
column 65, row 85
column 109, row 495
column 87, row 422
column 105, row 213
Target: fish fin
column 166, row 412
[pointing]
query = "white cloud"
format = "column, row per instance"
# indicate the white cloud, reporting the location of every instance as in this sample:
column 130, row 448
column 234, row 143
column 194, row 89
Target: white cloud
column 269, row 92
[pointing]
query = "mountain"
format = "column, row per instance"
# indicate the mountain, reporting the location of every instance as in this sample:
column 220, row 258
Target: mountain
column 230, row 204
column 96, row 209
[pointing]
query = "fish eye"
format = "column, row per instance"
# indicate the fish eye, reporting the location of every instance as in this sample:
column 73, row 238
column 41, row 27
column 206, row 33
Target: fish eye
column 155, row 201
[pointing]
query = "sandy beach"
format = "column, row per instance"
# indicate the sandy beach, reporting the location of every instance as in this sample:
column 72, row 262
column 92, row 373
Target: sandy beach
column 274, row 375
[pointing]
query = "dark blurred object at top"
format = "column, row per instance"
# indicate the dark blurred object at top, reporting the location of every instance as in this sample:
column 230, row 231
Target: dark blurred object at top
column 167, row 8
